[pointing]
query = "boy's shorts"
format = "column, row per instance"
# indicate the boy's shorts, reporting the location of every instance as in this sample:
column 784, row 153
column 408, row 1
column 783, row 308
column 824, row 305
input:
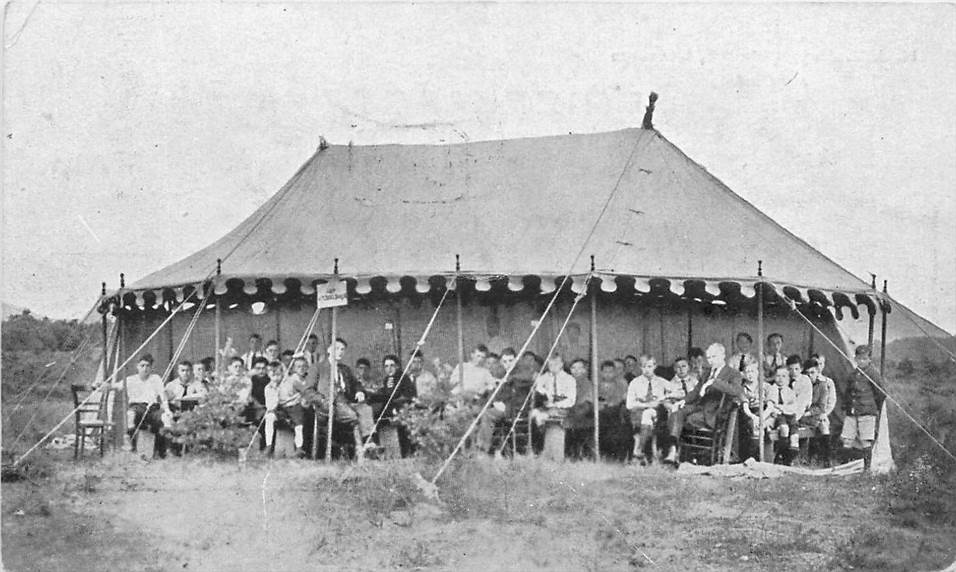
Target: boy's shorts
column 859, row 431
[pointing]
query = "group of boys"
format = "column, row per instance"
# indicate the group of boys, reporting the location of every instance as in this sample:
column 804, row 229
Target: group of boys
column 276, row 388
column 791, row 395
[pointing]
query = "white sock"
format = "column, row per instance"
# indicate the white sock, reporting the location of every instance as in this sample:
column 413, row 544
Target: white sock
column 270, row 429
column 298, row 437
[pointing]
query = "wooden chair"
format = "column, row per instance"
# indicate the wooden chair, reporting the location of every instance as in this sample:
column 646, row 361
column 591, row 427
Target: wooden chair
column 90, row 417
column 707, row 446
column 520, row 439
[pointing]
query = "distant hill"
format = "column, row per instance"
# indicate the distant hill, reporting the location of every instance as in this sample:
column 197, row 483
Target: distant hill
column 919, row 349
column 902, row 323
column 10, row 310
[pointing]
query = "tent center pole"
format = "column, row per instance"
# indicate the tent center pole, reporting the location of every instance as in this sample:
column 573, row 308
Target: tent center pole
column 334, row 373
column 461, row 331
column 595, row 369
column 872, row 312
column 218, row 322
column 883, row 308
column 760, row 356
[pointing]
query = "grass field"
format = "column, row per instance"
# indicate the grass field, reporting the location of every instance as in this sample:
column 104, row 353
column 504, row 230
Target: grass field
column 195, row 513
column 524, row 515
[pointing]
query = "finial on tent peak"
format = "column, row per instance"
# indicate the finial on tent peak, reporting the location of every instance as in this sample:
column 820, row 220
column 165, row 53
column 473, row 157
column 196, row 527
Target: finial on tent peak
column 218, row 266
column 872, row 281
column 122, row 280
column 884, row 286
column 592, row 263
column 648, row 122
column 323, row 144
column 336, row 266
column 103, row 289
column 457, row 263
column 760, row 268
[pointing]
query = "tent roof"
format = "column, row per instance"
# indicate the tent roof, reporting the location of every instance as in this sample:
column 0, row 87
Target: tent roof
column 511, row 207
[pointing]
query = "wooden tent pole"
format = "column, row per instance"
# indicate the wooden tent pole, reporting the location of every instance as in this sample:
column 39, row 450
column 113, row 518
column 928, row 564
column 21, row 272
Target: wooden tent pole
column 334, row 373
column 120, row 353
column 690, row 327
column 120, row 399
column 106, row 341
column 218, row 322
column 882, row 335
column 595, row 369
column 318, row 378
column 461, row 331
column 869, row 337
column 760, row 356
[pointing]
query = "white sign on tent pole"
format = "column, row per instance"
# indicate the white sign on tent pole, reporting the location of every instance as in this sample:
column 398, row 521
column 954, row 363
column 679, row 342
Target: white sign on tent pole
column 332, row 294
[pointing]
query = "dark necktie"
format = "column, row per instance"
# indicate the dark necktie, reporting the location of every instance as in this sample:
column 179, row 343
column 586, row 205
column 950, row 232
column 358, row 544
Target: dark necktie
column 742, row 365
column 650, row 391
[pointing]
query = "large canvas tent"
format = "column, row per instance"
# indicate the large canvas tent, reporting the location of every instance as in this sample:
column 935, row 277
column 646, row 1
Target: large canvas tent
column 675, row 253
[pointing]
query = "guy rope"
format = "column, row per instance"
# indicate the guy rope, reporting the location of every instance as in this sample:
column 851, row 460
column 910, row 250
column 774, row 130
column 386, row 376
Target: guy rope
column 793, row 306
column 109, row 379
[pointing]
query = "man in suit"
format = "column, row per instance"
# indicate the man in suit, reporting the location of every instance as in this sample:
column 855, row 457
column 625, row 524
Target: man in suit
column 349, row 406
column 703, row 403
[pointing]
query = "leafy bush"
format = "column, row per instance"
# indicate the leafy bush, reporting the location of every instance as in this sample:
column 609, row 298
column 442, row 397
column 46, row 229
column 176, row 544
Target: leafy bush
column 437, row 422
column 215, row 426
column 26, row 333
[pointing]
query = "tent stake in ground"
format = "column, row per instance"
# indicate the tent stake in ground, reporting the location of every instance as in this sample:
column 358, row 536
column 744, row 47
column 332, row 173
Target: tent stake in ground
column 595, row 369
column 760, row 381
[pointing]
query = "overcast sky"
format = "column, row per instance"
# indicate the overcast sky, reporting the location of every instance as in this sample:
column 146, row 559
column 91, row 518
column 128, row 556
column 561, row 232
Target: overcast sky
column 137, row 133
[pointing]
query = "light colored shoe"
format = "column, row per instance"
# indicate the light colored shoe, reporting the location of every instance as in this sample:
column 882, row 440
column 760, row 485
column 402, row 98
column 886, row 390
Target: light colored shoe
column 671, row 457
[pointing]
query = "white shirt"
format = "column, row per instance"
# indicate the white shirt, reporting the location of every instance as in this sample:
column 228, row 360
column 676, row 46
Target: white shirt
column 675, row 388
column 148, row 391
column 476, row 379
column 561, row 390
column 288, row 390
column 803, row 389
column 175, row 390
column 734, row 360
column 642, row 390
column 249, row 356
column 425, row 383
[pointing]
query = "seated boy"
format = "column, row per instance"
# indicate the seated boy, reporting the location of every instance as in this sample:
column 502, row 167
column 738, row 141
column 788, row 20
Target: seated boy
column 645, row 394
column 752, row 406
column 148, row 406
column 785, row 408
column 822, row 403
column 559, row 390
column 283, row 398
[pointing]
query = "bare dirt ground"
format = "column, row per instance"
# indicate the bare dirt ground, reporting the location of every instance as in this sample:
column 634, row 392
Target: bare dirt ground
column 198, row 514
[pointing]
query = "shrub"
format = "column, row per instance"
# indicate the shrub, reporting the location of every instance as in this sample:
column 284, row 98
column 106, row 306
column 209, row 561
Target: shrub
column 215, row 426
column 436, row 423
column 906, row 366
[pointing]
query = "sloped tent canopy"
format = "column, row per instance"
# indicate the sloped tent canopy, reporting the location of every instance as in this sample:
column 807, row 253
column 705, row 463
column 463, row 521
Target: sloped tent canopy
column 513, row 208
